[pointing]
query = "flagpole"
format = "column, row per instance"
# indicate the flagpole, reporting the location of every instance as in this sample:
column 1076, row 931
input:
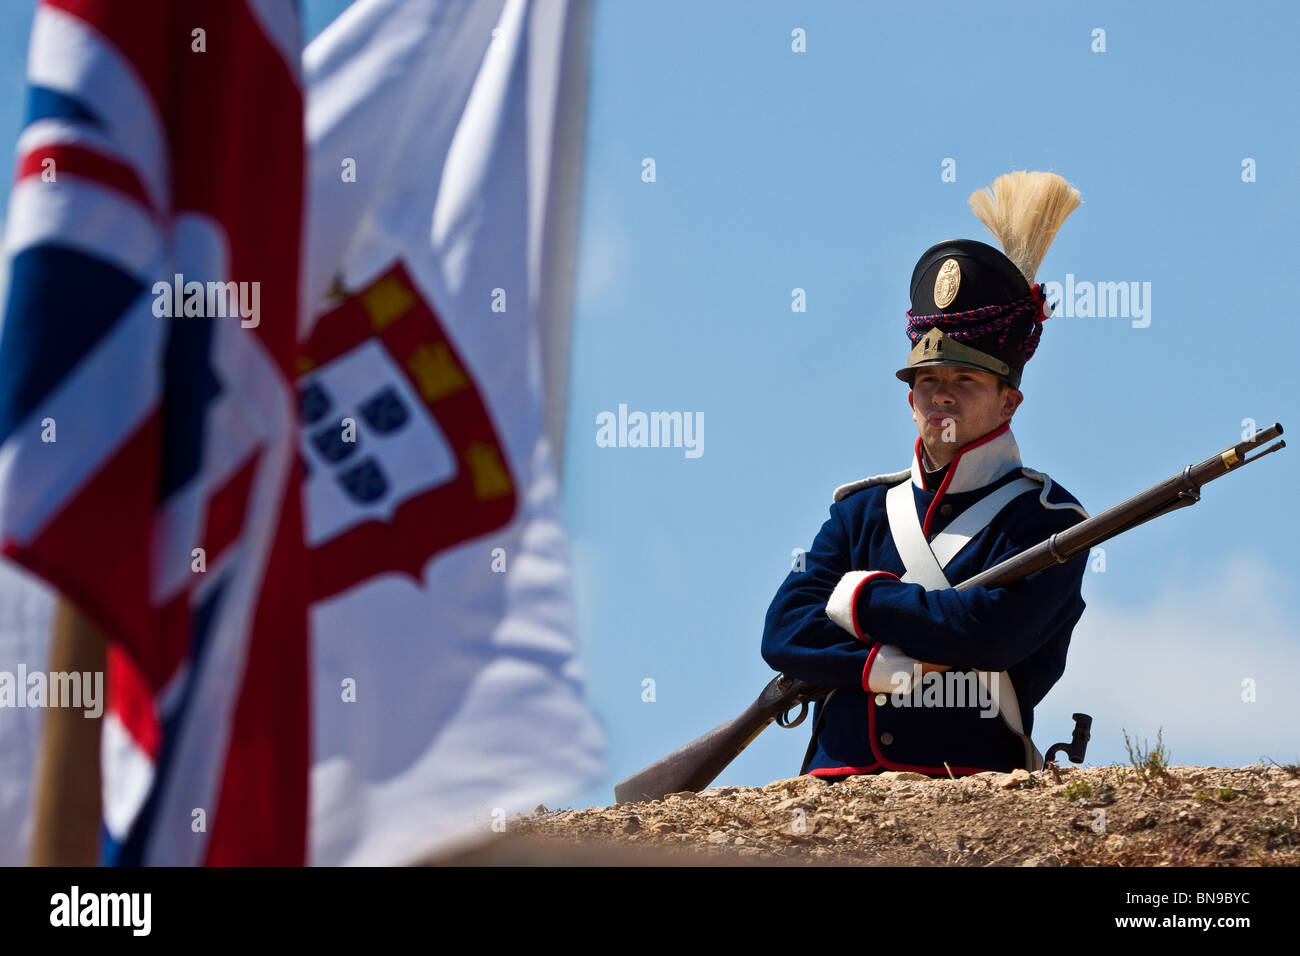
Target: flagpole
column 559, row 247
column 67, row 798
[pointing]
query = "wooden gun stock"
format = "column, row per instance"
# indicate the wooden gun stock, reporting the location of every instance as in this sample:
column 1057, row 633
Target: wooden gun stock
column 694, row 766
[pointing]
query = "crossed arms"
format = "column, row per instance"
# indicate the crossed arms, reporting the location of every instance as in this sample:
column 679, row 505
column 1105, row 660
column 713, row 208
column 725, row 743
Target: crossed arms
column 824, row 620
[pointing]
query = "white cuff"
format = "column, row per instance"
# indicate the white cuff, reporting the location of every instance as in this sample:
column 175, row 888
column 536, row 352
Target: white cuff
column 840, row 606
column 892, row 671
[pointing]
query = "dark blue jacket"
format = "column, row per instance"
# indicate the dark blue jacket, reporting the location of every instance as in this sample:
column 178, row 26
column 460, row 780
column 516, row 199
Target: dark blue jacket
column 1023, row 629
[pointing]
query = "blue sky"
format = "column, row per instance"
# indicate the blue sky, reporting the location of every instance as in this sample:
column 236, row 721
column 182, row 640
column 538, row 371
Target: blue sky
column 821, row 171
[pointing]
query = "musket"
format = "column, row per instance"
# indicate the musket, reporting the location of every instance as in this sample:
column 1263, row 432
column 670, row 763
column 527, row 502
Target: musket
column 696, row 765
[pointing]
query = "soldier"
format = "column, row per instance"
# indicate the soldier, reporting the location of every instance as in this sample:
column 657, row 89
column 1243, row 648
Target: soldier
column 924, row 677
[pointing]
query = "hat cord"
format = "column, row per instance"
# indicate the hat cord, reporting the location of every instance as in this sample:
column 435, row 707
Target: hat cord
column 987, row 319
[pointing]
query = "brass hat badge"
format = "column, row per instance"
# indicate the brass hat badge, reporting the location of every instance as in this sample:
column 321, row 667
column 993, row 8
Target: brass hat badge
column 947, row 283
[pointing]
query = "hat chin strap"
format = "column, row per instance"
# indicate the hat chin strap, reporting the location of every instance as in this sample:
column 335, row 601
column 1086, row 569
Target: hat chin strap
column 927, row 462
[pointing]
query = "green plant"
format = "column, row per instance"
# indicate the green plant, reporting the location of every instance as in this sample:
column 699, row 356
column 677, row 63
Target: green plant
column 1269, row 827
column 1273, row 834
column 1149, row 762
column 1292, row 769
column 1078, row 790
column 1216, row 795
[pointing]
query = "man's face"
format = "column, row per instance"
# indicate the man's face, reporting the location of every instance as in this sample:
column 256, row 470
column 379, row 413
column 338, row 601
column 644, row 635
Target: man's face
column 953, row 406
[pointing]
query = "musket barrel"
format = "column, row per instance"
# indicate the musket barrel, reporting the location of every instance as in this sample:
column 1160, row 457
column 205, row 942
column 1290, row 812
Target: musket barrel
column 1176, row 491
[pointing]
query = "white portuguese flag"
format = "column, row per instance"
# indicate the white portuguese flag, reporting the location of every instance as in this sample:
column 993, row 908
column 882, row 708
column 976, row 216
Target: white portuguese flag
column 445, row 143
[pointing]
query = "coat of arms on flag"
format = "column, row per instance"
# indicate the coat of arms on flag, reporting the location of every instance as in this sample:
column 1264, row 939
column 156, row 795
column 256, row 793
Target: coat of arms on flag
column 401, row 457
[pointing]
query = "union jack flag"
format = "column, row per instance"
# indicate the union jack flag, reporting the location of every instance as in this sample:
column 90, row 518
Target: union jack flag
column 149, row 461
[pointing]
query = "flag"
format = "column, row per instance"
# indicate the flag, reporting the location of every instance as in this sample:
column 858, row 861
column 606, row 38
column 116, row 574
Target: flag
column 148, row 439
column 445, row 146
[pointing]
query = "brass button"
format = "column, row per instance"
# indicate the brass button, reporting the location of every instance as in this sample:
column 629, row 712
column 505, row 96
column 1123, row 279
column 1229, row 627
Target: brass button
column 945, row 510
column 881, row 700
column 886, row 738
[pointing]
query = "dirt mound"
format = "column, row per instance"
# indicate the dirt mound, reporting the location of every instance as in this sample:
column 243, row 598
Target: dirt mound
column 1109, row 816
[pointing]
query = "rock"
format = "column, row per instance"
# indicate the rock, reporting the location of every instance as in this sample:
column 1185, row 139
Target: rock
column 538, row 810
column 719, row 837
column 682, row 795
column 1271, row 801
column 804, row 784
column 888, row 776
column 1115, row 843
column 1016, row 778
column 794, row 803
column 664, row 826
column 1227, row 847
column 739, row 841
column 1291, row 783
column 721, row 792
column 632, row 824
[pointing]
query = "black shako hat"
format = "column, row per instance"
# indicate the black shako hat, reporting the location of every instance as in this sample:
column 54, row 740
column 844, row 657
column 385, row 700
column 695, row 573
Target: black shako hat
column 974, row 306
column 976, row 285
